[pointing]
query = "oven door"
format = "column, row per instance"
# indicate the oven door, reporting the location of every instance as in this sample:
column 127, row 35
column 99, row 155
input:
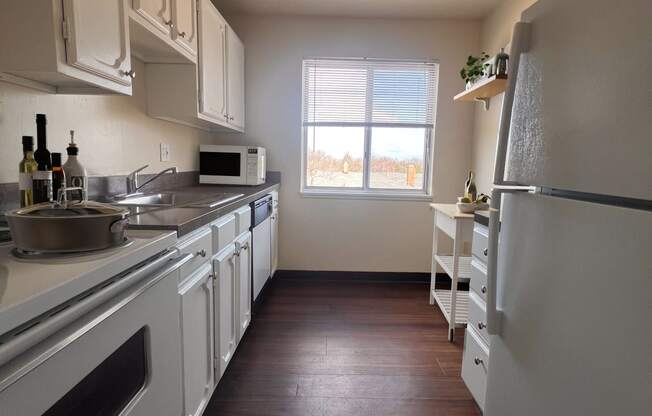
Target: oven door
column 123, row 358
column 223, row 165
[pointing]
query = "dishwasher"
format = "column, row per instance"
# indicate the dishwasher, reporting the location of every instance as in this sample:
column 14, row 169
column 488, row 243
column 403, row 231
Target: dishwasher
column 261, row 244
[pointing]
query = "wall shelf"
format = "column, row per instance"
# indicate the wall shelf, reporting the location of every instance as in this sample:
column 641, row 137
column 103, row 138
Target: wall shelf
column 484, row 90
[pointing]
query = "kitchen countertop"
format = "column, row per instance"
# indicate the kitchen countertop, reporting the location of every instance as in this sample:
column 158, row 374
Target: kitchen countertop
column 185, row 219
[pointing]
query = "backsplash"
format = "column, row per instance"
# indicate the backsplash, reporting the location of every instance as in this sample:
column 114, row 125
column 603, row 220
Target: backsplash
column 114, row 133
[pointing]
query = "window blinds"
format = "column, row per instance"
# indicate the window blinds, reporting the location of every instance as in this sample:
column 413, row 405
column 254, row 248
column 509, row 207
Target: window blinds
column 368, row 92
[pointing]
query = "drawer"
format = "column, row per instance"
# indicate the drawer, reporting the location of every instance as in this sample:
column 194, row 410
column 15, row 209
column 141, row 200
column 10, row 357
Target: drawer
column 478, row 316
column 223, row 232
column 475, row 365
column 480, row 242
column 199, row 244
column 242, row 219
column 479, row 278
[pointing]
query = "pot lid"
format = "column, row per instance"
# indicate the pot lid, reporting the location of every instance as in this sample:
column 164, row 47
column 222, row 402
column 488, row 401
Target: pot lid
column 70, row 210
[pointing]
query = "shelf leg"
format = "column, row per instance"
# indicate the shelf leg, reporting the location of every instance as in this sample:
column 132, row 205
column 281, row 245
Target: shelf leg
column 433, row 267
column 457, row 249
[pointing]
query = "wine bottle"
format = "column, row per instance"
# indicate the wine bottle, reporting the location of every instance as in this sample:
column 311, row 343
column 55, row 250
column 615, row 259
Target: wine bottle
column 470, row 190
column 26, row 168
column 42, row 177
column 58, row 175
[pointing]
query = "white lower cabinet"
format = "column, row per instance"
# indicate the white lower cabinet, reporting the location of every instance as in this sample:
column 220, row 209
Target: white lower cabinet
column 243, row 252
column 475, row 360
column 197, row 340
column 274, row 230
column 224, row 266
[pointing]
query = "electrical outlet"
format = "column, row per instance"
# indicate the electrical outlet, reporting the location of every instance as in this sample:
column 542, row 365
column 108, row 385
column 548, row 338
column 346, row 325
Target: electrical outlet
column 165, row 152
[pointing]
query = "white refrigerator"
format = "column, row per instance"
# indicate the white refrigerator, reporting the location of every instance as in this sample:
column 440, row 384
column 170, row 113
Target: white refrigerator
column 569, row 303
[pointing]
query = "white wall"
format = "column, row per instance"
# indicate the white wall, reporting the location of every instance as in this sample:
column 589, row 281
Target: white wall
column 496, row 34
column 341, row 234
column 114, row 133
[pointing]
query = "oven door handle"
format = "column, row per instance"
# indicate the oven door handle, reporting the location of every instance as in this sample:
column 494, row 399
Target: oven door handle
column 19, row 340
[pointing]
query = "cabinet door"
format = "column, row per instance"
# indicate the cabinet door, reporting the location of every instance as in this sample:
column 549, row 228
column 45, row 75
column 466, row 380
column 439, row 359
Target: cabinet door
column 224, row 266
column 244, row 283
column 212, row 60
column 156, row 12
column 274, row 238
column 97, row 39
column 197, row 340
column 185, row 29
column 235, row 79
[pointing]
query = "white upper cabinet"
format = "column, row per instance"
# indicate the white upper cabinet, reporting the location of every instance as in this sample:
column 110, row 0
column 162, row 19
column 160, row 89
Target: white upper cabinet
column 157, row 12
column 236, row 82
column 212, row 62
column 211, row 94
column 67, row 46
column 97, row 39
column 163, row 31
column 185, row 24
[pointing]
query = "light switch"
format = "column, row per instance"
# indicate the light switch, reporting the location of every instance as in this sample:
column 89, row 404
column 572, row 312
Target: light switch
column 165, row 152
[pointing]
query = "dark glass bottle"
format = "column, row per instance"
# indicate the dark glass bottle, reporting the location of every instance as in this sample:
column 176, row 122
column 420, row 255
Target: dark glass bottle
column 58, row 175
column 42, row 177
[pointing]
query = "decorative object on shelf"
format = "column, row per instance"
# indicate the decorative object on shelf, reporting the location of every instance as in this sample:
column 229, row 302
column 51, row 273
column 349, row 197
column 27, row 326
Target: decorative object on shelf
column 501, row 63
column 474, row 69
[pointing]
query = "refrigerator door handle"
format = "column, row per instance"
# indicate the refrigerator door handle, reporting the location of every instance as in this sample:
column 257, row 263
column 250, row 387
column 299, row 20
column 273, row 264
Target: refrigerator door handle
column 519, row 45
column 494, row 315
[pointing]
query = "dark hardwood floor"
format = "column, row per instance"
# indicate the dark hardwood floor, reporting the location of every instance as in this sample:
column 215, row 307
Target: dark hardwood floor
column 322, row 348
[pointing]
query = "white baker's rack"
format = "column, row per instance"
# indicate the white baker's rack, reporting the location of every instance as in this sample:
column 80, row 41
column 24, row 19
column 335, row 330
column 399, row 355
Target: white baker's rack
column 459, row 227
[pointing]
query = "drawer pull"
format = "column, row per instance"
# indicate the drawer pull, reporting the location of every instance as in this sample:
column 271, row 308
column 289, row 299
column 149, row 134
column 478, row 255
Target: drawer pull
column 485, row 251
column 477, row 361
column 483, row 289
column 201, row 253
column 481, row 325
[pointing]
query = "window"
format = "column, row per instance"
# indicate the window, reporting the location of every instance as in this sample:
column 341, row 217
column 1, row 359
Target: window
column 367, row 126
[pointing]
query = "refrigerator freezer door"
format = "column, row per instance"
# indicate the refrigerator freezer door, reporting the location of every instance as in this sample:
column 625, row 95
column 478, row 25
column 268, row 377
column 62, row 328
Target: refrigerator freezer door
column 582, row 113
column 575, row 289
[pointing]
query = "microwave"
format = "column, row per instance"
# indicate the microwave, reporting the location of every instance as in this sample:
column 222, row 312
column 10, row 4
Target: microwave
column 231, row 165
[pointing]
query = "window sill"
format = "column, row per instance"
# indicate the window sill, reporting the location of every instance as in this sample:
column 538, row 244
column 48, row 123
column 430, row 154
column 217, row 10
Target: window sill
column 365, row 195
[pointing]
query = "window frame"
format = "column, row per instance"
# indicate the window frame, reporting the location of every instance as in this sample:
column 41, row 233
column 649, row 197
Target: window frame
column 367, row 192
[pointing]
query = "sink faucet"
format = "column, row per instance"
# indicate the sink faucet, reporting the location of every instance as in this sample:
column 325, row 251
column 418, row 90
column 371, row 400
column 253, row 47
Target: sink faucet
column 132, row 179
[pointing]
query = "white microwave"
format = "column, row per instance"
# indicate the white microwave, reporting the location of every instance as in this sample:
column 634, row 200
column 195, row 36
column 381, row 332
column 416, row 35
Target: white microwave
column 231, row 165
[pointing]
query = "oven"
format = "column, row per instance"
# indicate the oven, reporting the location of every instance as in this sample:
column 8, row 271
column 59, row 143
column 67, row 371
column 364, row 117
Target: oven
column 232, row 165
column 114, row 350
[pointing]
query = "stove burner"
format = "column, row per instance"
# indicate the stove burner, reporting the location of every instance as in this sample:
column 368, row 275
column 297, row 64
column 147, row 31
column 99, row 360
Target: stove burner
column 26, row 254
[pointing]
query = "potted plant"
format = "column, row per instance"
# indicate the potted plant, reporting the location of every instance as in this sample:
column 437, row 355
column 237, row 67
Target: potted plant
column 474, row 69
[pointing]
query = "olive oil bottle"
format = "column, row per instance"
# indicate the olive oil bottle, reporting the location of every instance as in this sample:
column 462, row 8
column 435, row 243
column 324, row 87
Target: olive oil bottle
column 26, row 168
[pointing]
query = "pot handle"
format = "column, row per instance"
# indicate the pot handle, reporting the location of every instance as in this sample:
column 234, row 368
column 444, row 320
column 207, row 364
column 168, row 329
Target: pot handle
column 119, row 226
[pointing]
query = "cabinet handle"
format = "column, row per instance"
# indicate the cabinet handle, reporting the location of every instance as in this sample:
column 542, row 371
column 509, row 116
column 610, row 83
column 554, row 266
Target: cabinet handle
column 169, row 23
column 483, row 289
column 485, row 251
column 481, row 325
column 182, row 34
column 201, row 253
column 131, row 74
column 477, row 361
column 231, row 118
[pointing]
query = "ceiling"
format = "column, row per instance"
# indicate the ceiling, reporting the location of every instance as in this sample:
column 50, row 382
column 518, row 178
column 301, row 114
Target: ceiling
column 459, row 9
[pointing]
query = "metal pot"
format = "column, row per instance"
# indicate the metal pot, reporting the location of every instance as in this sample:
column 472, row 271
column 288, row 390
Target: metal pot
column 52, row 227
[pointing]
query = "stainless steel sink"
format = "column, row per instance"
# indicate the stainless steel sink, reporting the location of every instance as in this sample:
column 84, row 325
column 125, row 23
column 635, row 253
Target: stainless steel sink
column 149, row 200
